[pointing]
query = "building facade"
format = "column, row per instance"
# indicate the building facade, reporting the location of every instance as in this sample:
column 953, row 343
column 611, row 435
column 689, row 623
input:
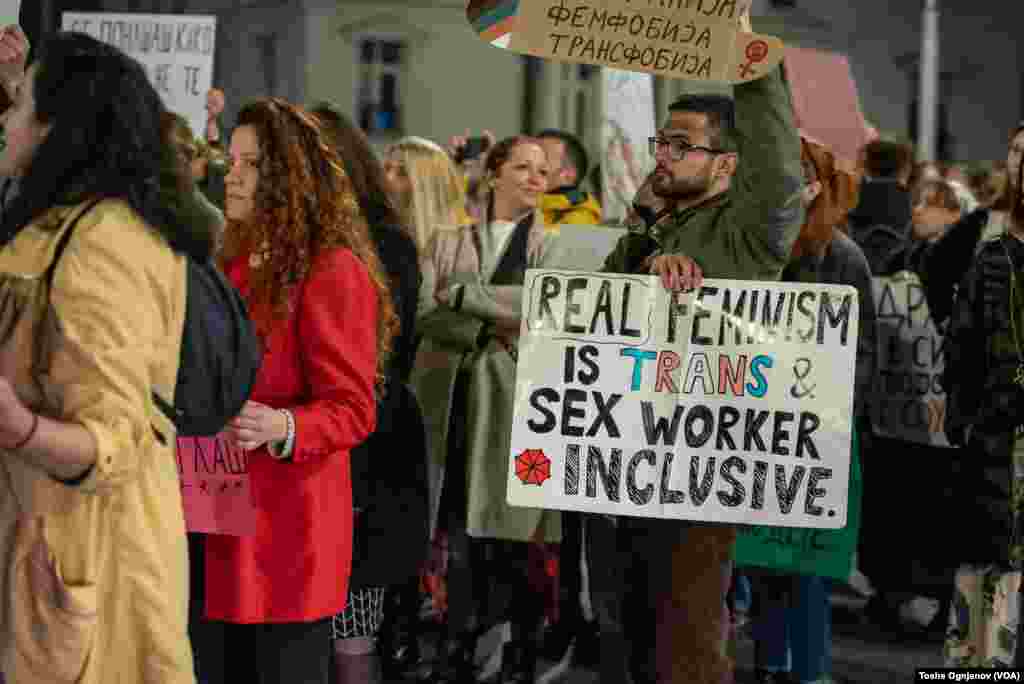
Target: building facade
column 416, row 67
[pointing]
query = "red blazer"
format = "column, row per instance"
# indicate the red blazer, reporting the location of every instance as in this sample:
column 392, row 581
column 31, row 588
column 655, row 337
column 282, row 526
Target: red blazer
column 320, row 364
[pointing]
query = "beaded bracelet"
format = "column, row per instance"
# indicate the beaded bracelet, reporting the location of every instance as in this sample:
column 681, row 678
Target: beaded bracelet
column 283, row 450
column 289, row 441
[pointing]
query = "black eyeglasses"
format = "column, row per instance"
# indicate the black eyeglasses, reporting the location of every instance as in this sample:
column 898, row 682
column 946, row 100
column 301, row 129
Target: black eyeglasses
column 677, row 147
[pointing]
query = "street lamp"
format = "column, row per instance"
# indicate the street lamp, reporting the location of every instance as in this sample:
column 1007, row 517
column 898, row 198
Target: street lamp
column 928, row 96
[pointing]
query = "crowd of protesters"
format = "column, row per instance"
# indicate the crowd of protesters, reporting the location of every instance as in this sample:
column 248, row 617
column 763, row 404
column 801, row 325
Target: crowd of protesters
column 386, row 294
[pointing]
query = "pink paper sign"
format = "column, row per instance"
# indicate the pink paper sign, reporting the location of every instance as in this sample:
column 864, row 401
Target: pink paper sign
column 826, row 101
column 215, row 486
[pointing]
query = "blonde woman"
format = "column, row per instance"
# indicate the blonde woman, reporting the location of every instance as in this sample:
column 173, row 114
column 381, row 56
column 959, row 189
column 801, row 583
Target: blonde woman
column 427, row 191
column 464, row 378
column 425, row 185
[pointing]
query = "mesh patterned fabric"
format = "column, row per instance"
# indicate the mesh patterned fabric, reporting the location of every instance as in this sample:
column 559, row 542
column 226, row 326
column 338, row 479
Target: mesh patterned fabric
column 363, row 615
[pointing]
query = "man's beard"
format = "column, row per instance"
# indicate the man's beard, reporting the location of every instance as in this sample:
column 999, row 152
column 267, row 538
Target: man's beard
column 682, row 189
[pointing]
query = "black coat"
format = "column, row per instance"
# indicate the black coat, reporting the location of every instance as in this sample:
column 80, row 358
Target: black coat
column 880, row 223
column 903, row 528
column 389, row 470
column 985, row 406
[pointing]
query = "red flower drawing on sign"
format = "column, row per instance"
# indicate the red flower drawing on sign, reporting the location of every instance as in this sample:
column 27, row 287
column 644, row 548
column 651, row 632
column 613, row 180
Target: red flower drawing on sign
column 533, row 467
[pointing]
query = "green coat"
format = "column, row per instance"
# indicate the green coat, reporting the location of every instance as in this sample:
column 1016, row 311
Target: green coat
column 746, row 233
column 455, row 341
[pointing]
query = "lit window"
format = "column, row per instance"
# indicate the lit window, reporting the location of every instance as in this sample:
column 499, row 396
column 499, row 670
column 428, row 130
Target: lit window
column 378, row 93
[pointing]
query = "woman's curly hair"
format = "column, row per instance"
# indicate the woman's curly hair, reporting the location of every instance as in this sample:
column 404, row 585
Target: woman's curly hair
column 304, row 204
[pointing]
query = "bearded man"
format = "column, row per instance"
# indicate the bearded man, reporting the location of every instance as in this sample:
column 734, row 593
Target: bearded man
column 723, row 202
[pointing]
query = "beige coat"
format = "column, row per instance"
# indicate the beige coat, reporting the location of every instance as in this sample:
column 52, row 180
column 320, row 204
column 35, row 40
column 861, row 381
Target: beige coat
column 95, row 582
column 450, row 344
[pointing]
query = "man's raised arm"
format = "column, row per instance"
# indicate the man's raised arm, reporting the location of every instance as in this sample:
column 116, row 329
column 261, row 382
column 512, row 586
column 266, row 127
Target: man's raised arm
column 766, row 213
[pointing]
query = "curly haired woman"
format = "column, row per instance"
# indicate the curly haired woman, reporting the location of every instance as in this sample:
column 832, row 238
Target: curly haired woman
column 300, row 254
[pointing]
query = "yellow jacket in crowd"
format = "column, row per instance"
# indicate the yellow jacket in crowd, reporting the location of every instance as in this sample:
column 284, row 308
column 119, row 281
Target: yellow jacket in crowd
column 565, row 207
column 570, row 207
column 95, row 576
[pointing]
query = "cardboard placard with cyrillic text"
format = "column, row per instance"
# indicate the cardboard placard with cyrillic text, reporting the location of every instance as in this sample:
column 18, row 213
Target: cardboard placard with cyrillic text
column 176, row 50
column 697, row 40
column 907, row 400
column 215, row 486
column 729, row 404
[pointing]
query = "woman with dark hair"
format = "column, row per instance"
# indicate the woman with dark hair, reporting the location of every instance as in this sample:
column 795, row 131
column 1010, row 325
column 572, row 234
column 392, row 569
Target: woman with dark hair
column 180, row 144
column 177, row 133
column 389, row 470
column 92, row 279
column 465, row 380
column 984, row 382
column 895, row 552
column 1000, row 210
column 300, row 253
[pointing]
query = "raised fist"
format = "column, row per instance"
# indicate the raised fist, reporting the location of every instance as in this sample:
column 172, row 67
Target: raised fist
column 214, row 103
column 14, row 47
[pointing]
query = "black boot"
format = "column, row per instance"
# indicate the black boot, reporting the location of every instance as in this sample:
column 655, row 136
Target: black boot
column 399, row 649
column 766, row 677
column 518, row 663
column 456, row 662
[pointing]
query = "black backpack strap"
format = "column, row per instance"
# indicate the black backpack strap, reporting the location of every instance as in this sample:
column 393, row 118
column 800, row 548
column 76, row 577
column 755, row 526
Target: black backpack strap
column 65, row 238
column 512, row 267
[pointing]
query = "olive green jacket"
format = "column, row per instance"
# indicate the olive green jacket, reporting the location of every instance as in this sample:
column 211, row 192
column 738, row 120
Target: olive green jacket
column 747, row 232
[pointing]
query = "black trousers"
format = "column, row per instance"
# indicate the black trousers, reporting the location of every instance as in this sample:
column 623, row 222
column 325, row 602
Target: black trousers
column 205, row 636
column 622, row 594
column 570, row 578
column 285, row 653
column 488, row 583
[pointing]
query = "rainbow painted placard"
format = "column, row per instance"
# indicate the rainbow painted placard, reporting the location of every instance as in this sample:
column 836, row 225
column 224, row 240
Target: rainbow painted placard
column 697, row 40
column 492, row 19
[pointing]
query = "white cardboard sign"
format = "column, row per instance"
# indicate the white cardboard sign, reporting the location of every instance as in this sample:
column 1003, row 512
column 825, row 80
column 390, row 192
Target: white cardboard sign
column 176, row 50
column 731, row 404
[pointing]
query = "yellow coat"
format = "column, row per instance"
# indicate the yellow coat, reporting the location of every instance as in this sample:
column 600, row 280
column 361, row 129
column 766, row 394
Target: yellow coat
column 570, row 208
column 95, row 576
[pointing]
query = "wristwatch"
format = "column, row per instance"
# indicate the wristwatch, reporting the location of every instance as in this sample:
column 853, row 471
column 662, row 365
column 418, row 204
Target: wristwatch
column 646, row 214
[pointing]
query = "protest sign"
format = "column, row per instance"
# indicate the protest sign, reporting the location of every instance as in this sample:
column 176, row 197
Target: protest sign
column 731, row 404
column 825, row 553
column 176, row 50
column 10, row 11
column 697, row 40
column 826, row 102
column 215, row 487
column 907, row 400
column 628, row 123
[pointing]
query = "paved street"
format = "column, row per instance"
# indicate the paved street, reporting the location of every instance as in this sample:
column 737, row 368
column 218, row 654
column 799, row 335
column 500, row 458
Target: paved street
column 863, row 654
column 860, row 654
